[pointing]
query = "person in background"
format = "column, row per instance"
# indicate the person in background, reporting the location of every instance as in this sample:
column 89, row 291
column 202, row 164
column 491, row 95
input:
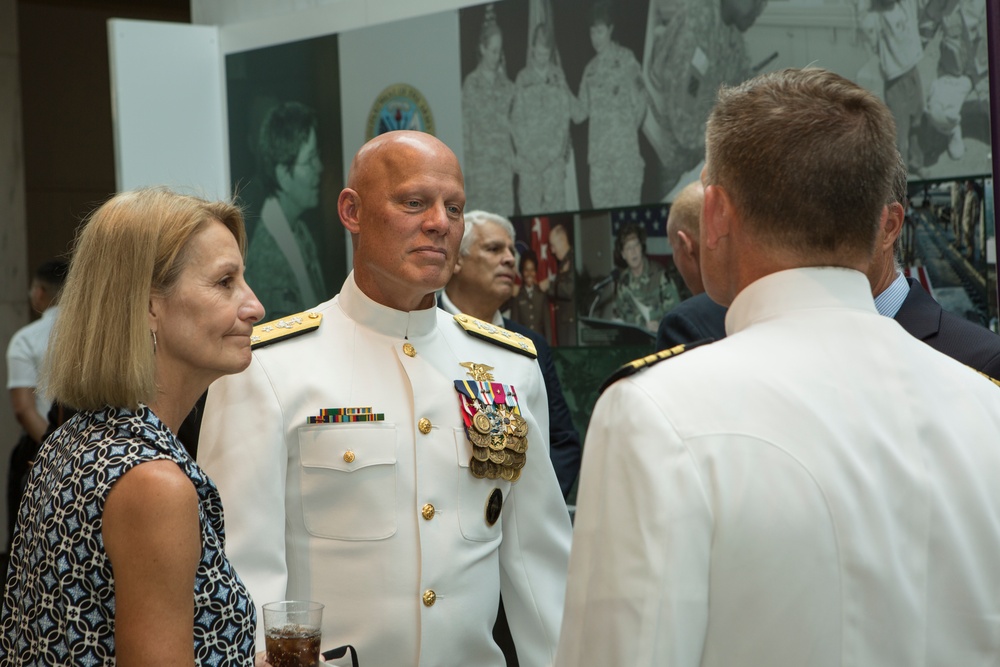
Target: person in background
column 698, row 317
column 282, row 260
column 560, row 288
column 530, row 306
column 905, row 300
column 118, row 554
column 25, row 353
column 643, row 292
column 540, row 119
column 482, row 282
column 487, row 95
column 355, row 461
column 843, row 508
column 613, row 97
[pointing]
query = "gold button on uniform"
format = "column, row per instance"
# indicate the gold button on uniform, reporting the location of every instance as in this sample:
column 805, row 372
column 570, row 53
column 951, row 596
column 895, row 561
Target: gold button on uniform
column 424, row 425
column 409, row 350
column 430, row 597
column 349, row 456
column 428, row 511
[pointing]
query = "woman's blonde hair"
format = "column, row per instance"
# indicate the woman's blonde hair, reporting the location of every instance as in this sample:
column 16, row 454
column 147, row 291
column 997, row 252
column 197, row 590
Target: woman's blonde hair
column 134, row 246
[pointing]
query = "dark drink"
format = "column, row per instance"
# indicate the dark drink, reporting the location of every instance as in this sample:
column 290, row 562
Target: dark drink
column 293, row 646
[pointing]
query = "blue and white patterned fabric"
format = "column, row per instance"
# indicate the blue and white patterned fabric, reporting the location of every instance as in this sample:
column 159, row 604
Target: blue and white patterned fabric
column 59, row 606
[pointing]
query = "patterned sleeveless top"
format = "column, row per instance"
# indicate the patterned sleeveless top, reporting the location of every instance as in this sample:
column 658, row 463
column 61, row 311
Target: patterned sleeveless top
column 59, row 606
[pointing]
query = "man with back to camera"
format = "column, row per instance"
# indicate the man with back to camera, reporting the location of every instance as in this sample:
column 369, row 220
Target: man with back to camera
column 916, row 311
column 842, row 508
column 25, row 353
column 382, row 509
column 698, row 317
column 282, row 263
column 482, row 282
column 896, row 296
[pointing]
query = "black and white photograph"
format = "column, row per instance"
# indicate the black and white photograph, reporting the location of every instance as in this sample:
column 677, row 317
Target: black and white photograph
column 285, row 164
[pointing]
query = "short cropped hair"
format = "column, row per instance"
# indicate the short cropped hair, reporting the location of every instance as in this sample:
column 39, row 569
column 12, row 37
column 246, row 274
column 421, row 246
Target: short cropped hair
column 807, row 157
column 685, row 211
column 131, row 248
column 284, row 129
column 52, row 274
column 474, row 219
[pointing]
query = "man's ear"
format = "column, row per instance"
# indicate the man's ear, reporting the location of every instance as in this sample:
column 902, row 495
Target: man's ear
column 688, row 244
column 716, row 216
column 349, row 209
column 893, row 216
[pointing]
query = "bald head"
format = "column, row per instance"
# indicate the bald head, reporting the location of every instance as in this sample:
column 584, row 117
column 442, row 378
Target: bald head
column 683, row 225
column 403, row 207
column 390, row 154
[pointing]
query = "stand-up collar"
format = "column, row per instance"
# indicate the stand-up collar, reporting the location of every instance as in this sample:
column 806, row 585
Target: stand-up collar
column 799, row 289
column 389, row 321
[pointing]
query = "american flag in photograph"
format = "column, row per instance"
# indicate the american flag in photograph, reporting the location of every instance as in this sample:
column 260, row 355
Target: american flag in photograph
column 653, row 219
column 540, row 245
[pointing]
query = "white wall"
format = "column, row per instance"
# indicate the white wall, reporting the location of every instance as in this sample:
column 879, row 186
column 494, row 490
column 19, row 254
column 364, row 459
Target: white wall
column 167, row 107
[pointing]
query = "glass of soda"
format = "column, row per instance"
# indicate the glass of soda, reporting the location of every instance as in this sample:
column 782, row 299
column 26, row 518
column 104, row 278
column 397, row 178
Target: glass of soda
column 292, row 633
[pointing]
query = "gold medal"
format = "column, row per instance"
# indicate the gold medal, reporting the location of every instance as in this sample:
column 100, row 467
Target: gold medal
column 479, row 469
column 519, row 425
column 515, row 476
column 518, row 461
column 497, row 443
column 478, row 439
column 480, row 453
column 482, row 423
column 496, row 456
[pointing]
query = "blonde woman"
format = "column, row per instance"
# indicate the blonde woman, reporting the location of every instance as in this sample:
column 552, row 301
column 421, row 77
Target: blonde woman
column 118, row 551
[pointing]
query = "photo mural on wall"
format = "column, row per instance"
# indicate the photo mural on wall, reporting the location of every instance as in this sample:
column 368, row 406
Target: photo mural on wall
column 285, row 164
column 588, row 114
column 601, row 106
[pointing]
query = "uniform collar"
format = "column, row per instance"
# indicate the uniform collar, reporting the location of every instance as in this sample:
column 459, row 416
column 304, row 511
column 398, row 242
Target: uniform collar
column 389, row 321
column 449, row 306
column 798, row 290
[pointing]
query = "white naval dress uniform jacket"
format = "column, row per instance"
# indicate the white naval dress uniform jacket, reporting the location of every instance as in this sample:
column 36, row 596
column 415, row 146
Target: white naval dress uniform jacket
column 819, row 488
column 371, row 533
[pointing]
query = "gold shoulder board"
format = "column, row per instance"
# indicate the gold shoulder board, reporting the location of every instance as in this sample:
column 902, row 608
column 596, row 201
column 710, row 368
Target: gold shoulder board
column 991, row 379
column 497, row 335
column 633, row 367
column 287, row 327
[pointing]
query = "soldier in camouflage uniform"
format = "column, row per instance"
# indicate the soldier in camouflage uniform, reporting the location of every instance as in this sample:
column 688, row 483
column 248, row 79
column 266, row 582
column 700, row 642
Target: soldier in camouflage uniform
column 487, row 94
column 613, row 97
column 540, row 121
column 644, row 291
column 694, row 51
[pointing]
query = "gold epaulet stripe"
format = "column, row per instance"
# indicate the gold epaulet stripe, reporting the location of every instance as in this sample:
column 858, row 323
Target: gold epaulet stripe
column 271, row 332
column 498, row 335
column 633, row 367
column 991, row 379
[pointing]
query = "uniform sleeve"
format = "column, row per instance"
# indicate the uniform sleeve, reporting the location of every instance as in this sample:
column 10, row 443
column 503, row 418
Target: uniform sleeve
column 637, row 593
column 242, row 448
column 534, row 552
column 21, row 369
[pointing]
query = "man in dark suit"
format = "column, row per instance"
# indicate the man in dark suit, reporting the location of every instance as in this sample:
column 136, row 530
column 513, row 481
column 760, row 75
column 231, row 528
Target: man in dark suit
column 896, row 296
column 698, row 317
column 482, row 282
column 916, row 311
